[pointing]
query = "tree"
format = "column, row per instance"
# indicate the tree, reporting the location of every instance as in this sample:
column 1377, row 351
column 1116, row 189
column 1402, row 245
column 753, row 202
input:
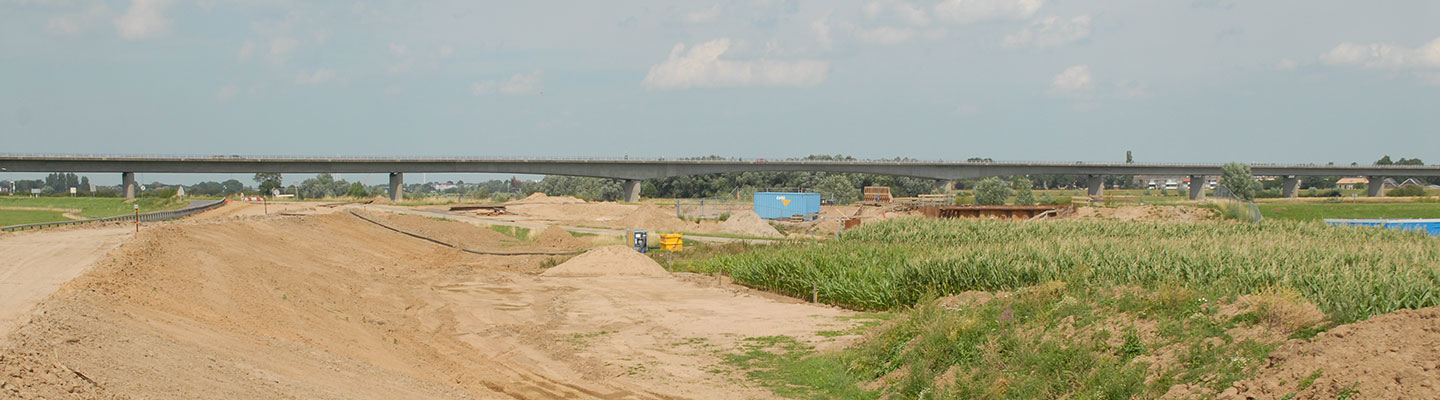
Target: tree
column 357, row 189
column 1129, row 158
column 839, row 189
column 268, row 181
column 991, row 191
column 1384, row 161
column 1024, row 196
column 1237, row 177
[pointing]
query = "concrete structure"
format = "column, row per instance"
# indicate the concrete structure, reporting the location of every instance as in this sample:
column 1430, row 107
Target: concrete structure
column 397, row 186
column 127, row 182
column 1197, row 187
column 1376, row 186
column 633, row 171
column 1290, row 188
column 1095, row 185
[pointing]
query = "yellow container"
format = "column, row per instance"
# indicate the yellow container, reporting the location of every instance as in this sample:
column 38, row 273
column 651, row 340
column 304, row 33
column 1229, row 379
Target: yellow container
column 671, row 242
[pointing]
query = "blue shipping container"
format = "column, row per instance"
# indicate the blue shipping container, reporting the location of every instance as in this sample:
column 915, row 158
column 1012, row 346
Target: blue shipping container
column 773, row 205
column 1431, row 226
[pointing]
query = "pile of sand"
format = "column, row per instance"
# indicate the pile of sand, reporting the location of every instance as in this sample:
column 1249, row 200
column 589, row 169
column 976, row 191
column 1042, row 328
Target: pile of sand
column 380, row 200
column 1391, row 356
column 608, row 261
column 457, row 233
column 746, row 222
column 556, row 237
column 542, row 198
column 646, row 216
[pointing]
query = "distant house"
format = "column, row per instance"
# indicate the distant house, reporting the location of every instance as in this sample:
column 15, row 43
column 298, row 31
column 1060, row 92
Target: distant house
column 1350, row 183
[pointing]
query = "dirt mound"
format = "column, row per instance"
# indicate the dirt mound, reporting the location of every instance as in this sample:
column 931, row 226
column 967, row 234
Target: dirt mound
column 1391, row 356
column 380, row 201
column 654, row 218
column 746, row 222
column 542, row 198
column 556, row 237
column 608, row 261
column 453, row 232
column 1145, row 213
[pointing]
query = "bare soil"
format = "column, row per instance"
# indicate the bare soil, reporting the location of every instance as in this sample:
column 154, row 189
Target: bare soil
column 1391, row 356
column 1146, row 213
column 330, row 306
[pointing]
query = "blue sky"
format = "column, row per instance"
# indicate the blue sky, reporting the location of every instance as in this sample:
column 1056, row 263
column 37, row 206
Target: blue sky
column 1175, row 81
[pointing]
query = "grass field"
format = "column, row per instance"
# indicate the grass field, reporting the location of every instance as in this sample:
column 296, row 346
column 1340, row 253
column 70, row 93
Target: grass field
column 90, row 207
column 1319, row 211
column 1083, row 308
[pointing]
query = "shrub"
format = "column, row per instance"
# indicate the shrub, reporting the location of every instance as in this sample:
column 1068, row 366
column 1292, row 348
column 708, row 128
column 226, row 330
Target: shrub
column 1407, row 191
column 991, row 191
column 1024, row 196
column 1239, row 180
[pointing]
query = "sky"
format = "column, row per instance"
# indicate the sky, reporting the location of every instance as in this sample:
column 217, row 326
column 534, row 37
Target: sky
column 1308, row 81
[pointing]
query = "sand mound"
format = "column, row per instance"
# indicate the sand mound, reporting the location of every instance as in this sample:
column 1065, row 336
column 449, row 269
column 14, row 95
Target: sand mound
column 608, row 261
column 542, row 198
column 650, row 217
column 1145, row 213
column 1391, row 356
column 556, row 237
column 746, row 222
column 453, row 232
column 380, row 200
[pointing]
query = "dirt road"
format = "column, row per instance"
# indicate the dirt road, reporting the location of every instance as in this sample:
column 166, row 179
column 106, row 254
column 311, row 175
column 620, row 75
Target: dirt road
column 37, row 263
column 329, row 306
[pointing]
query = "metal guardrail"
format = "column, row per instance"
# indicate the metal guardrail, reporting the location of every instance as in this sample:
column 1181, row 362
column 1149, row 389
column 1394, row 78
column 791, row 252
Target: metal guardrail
column 144, row 217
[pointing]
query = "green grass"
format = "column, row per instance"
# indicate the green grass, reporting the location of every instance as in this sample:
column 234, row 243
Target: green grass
column 791, row 370
column 96, row 207
column 519, row 233
column 1320, row 211
column 19, row 217
column 1350, row 274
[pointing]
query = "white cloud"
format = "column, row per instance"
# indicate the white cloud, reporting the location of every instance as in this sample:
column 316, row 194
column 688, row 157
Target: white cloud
column 77, row 23
column 518, row 84
column 281, row 47
column 321, row 75
column 907, row 12
column 964, row 11
column 1073, row 80
column 887, row 35
column 1050, row 32
column 446, row 51
column 701, row 67
column 143, row 19
column 821, row 28
column 227, row 92
column 705, row 15
column 1287, row 65
column 399, row 49
column 247, row 51
column 1385, row 55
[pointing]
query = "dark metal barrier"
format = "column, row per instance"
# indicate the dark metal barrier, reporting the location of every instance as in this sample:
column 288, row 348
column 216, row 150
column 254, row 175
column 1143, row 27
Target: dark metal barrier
column 144, row 217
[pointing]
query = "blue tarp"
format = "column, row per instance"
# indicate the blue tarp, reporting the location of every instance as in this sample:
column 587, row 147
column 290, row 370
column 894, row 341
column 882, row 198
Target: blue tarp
column 1431, row 226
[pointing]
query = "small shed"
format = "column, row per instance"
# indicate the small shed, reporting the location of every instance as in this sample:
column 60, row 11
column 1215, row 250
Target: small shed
column 777, row 205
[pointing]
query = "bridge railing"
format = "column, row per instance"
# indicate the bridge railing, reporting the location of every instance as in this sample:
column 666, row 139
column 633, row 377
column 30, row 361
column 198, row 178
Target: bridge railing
column 144, row 217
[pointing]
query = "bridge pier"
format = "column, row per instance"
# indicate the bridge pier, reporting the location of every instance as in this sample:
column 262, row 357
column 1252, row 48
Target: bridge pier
column 944, row 186
column 127, row 184
column 631, row 190
column 1291, row 187
column 1197, row 187
column 1376, row 186
column 1096, row 183
column 397, row 186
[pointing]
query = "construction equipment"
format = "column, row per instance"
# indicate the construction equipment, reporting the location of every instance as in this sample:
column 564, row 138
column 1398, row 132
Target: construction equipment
column 877, row 194
column 672, row 242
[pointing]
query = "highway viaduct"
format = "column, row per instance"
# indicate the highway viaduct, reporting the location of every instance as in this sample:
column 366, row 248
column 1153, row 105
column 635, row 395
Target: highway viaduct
column 633, row 171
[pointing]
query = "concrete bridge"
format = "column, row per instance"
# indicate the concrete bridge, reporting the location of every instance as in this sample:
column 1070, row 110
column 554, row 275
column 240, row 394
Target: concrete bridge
column 633, row 171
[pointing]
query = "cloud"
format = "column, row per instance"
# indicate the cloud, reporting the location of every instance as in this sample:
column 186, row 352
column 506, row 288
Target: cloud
column 281, row 47
column 1073, row 80
column 399, row 49
column 1384, row 55
column 705, row 15
column 77, row 23
column 227, row 92
column 518, row 84
column 886, row 35
column 247, row 51
column 143, row 19
column 320, row 75
column 965, row 11
column 1050, row 32
column 910, row 13
column 702, row 67
column 821, row 29
column 1286, row 64
column 446, row 51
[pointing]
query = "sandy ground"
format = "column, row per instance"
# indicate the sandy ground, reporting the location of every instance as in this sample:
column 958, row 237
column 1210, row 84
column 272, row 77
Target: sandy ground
column 241, row 209
column 1391, row 356
column 36, row 263
column 1145, row 213
column 329, row 306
